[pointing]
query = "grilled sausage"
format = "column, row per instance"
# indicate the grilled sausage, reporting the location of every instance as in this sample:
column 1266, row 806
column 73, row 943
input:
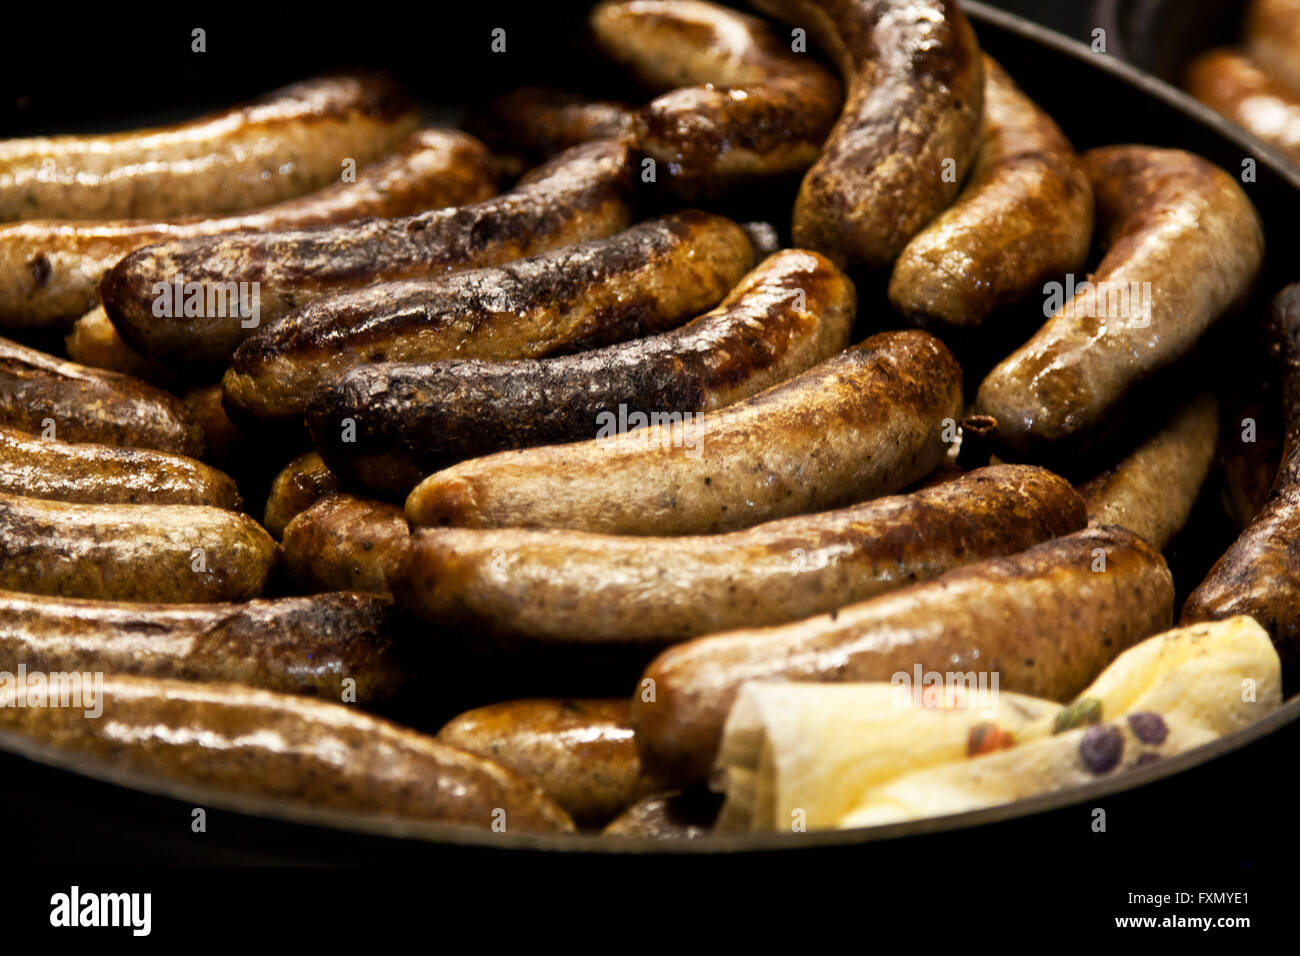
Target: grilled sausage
column 345, row 543
column 671, row 815
column 299, row 752
column 1234, row 85
column 1272, row 34
column 170, row 553
column 1260, row 574
column 296, row 645
column 865, row 422
column 560, row 585
column 104, row 474
column 223, row 444
column 580, row 752
column 1250, row 450
column 909, row 131
column 534, row 123
column 646, row 279
column 1023, row 217
column 1183, row 244
column 579, row 195
column 1152, row 491
column 283, row 144
column 86, row 404
column 94, row 341
column 298, row 486
column 1046, row 621
column 49, row 269
column 793, row 311
column 738, row 106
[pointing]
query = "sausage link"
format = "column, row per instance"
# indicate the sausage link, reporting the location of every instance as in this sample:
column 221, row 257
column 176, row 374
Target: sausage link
column 296, row 645
column 87, row 404
column 1045, row 622
column 560, row 586
column 298, row 486
column 301, row 753
column 644, row 280
column 1272, row 34
column 345, row 543
column 909, row 131
column 795, row 310
column 49, row 269
column 170, row 553
column 94, row 341
column 223, row 444
column 580, row 752
column 1183, row 245
column 672, row 815
column 104, row 474
column 580, row 195
column 534, row 123
column 738, row 104
column 283, row 144
column 865, row 422
column 1023, row 217
column 1254, row 99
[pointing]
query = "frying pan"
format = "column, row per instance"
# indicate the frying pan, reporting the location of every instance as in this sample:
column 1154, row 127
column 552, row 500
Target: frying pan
column 76, row 813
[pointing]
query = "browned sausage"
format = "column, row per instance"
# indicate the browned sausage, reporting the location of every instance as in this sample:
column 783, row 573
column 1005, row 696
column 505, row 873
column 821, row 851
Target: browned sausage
column 47, row 396
column 646, row 279
column 671, row 815
column 1046, row 621
column 534, row 123
column 865, row 422
column 345, row 543
column 298, row 486
column 49, row 269
column 795, row 310
column 299, row 752
column 1234, row 85
column 568, row 586
column 579, row 195
column 910, row 127
column 94, row 341
column 223, row 444
column 297, row 645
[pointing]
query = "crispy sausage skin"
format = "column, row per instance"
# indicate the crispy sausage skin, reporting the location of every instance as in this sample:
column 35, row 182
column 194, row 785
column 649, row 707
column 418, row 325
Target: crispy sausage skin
column 49, row 269
column 296, row 645
column 738, row 103
column 560, row 585
column 644, row 280
column 865, row 422
column 1265, row 106
column 170, row 553
column 1183, row 245
column 92, row 405
column 298, row 486
column 245, row 742
column 345, row 543
column 580, row 752
column 1024, row 216
column 1047, row 621
column 105, row 474
column 909, row 131
column 1260, row 574
column 1152, row 491
column 534, row 123
column 581, row 194
column 284, row 144
column 1272, row 34
column 795, row 310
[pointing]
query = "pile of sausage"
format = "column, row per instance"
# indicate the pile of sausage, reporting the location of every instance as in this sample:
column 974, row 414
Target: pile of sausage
column 592, row 432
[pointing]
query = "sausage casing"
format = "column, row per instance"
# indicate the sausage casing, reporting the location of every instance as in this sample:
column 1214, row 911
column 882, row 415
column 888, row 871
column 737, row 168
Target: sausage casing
column 297, row 486
column 345, row 543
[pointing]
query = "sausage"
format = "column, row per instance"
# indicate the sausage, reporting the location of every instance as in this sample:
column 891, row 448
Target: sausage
column 793, row 311
column 1248, row 467
column 1045, row 621
column 1260, row 574
column 560, row 585
column 223, row 444
column 172, row 736
column 580, row 752
column 865, row 422
column 104, row 474
column 534, row 123
column 296, row 645
column 344, row 543
column 646, row 279
column 579, row 195
column 49, row 269
column 1152, row 491
column 1255, row 99
column 298, row 486
column 738, row 104
column 86, row 404
column 1272, row 35
column 672, row 815
column 1023, row 217
column 94, row 341
column 170, row 553
column 283, row 144
column 1183, row 245
column 909, row 131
